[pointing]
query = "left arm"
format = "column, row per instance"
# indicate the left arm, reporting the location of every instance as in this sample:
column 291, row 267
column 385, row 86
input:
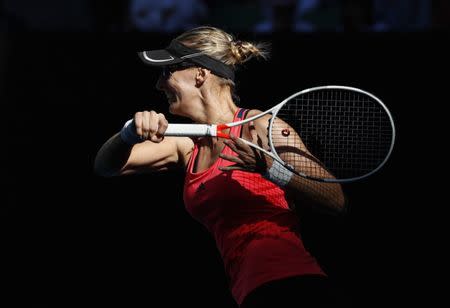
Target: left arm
column 329, row 196
column 326, row 195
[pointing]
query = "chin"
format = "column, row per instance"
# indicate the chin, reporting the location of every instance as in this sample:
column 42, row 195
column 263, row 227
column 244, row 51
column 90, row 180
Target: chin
column 173, row 109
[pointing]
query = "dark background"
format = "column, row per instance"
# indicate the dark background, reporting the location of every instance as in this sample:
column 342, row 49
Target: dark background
column 72, row 236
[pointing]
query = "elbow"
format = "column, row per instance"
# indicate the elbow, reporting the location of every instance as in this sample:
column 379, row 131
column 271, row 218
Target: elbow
column 341, row 208
column 98, row 168
column 334, row 203
column 102, row 171
column 339, row 204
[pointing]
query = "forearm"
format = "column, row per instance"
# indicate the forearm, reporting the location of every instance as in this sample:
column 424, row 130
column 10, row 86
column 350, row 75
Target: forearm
column 112, row 156
column 327, row 196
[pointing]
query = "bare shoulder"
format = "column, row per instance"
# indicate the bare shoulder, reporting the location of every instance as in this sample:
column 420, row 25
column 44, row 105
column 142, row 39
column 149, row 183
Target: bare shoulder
column 261, row 126
column 254, row 112
column 262, row 123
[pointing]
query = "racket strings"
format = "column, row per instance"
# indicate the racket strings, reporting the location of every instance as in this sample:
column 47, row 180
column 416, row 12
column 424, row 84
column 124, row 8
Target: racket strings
column 349, row 132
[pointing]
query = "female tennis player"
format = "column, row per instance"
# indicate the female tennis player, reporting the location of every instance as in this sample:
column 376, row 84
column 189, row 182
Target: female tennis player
column 241, row 196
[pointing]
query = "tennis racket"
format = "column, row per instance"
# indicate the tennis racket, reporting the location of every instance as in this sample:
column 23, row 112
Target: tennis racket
column 331, row 134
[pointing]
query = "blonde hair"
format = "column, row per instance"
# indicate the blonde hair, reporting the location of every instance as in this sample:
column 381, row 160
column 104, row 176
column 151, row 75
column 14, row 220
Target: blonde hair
column 222, row 46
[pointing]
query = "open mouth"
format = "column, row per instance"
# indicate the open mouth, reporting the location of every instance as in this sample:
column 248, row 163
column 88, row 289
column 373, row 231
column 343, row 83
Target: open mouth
column 171, row 97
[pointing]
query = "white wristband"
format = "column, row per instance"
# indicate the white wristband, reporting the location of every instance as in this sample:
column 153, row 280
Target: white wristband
column 128, row 133
column 278, row 174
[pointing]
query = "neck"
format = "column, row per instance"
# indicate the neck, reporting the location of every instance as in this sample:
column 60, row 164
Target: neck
column 218, row 107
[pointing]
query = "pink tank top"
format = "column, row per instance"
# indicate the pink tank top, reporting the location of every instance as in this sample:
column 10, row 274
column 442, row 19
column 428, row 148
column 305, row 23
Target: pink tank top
column 249, row 217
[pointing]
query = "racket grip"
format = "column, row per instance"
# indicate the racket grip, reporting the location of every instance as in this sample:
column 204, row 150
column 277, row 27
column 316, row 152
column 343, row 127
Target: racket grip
column 191, row 130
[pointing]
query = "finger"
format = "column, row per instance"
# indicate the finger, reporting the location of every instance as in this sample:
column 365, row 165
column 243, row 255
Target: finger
column 145, row 124
column 153, row 124
column 239, row 144
column 231, row 158
column 162, row 126
column 138, row 123
column 237, row 141
column 260, row 159
column 232, row 146
column 232, row 167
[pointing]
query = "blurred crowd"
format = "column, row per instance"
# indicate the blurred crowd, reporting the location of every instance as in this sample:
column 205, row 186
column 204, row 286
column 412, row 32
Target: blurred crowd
column 263, row 16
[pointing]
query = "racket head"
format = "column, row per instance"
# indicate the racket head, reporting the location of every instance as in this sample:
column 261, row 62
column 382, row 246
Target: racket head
column 333, row 133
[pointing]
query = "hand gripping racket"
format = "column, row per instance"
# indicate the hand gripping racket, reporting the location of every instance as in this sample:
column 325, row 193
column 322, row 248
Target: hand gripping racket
column 332, row 134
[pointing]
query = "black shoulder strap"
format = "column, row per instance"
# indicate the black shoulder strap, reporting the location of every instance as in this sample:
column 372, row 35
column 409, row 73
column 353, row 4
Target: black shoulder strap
column 242, row 114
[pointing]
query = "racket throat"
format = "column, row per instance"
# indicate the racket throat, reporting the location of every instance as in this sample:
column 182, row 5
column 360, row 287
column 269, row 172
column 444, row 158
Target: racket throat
column 220, row 133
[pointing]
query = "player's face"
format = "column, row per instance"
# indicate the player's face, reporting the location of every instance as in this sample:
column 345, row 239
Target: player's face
column 178, row 83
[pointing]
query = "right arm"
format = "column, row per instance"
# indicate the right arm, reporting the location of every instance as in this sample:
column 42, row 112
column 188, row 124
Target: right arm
column 156, row 153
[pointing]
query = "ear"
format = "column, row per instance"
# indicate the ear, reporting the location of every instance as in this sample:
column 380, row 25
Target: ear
column 202, row 74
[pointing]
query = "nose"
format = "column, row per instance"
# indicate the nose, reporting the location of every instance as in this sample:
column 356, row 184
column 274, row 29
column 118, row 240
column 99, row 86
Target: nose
column 160, row 82
column 163, row 77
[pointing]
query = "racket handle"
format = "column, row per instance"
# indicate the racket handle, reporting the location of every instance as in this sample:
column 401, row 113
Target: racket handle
column 191, row 130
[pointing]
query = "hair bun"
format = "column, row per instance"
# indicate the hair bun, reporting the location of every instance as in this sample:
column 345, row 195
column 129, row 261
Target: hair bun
column 237, row 43
column 244, row 51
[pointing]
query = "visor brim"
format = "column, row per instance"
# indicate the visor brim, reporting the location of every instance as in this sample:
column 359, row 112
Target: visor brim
column 159, row 57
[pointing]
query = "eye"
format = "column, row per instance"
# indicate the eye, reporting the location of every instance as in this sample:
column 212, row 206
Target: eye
column 167, row 71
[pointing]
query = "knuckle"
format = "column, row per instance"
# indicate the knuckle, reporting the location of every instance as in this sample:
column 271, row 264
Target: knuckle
column 145, row 125
column 164, row 125
column 153, row 128
column 138, row 115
